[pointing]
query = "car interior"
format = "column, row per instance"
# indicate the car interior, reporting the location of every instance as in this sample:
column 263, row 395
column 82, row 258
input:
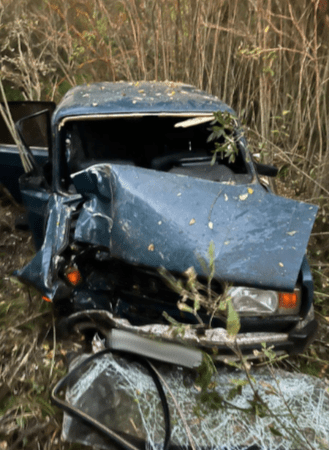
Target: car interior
column 152, row 142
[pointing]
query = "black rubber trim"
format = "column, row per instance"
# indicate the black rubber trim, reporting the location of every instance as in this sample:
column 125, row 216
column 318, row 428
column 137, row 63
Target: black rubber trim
column 303, row 338
column 116, row 437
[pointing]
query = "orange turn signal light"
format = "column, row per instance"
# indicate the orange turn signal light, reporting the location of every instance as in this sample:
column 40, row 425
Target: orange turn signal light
column 288, row 300
column 46, row 299
column 73, row 276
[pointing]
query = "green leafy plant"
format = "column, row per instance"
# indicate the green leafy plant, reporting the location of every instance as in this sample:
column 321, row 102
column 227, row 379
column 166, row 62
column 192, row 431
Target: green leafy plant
column 194, row 294
column 222, row 133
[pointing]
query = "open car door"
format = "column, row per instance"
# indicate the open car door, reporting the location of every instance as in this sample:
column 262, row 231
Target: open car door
column 11, row 167
column 35, row 185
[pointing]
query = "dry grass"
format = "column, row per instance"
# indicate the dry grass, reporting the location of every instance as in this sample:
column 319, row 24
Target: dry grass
column 268, row 59
column 30, row 358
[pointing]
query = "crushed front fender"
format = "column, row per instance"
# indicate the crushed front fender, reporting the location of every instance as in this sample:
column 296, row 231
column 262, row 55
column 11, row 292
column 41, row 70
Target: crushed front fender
column 163, row 219
column 42, row 271
column 152, row 219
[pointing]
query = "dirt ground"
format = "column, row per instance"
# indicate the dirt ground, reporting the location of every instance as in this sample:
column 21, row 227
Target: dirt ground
column 32, row 359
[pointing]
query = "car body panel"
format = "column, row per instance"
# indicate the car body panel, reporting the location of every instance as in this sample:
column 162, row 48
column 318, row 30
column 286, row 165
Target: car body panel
column 151, row 219
column 162, row 219
column 138, row 98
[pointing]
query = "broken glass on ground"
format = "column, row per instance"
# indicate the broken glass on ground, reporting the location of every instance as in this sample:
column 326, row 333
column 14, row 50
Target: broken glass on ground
column 119, row 393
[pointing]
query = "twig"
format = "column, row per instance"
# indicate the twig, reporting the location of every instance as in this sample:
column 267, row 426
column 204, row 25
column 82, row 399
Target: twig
column 54, row 348
column 321, row 293
column 28, row 320
column 28, row 432
column 281, row 154
column 5, row 113
column 312, row 358
column 237, row 351
column 23, row 361
column 180, row 412
column 294, row 418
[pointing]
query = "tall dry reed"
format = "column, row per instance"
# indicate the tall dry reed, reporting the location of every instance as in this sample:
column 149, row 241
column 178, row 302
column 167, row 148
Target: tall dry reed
column 267, row 59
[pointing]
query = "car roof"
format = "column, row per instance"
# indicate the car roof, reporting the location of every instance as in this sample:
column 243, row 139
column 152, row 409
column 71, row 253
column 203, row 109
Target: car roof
column 141, row 97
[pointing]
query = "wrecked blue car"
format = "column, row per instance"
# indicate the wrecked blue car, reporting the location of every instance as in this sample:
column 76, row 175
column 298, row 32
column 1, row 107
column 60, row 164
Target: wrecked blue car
column 129, row 183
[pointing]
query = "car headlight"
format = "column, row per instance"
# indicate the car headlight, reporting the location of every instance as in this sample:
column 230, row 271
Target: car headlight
column 251, row 301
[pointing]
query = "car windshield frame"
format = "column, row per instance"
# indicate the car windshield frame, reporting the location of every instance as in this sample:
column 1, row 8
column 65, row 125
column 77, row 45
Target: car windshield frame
column 189, row 121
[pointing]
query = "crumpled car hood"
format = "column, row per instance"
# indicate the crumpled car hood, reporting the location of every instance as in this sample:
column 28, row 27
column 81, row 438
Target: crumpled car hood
column 158, row 219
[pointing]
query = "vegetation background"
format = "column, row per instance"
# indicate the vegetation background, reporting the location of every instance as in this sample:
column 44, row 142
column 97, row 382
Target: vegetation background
column 268, row 59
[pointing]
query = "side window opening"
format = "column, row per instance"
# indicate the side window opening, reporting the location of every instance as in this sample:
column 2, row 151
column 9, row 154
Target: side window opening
column 33, row 158
column 35, row 130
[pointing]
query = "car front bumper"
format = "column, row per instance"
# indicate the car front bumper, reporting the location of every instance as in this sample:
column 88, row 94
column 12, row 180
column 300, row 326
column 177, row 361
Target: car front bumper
column 158, row 341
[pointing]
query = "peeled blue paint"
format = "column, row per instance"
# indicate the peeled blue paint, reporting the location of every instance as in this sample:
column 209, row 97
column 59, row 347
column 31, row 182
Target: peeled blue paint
column 155, row 219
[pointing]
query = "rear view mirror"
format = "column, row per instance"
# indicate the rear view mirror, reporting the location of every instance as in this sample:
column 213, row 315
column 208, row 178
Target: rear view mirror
column 266, row 170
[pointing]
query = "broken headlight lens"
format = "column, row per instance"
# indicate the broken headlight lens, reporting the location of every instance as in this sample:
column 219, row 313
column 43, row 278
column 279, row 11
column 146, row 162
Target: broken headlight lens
column 252, row 301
